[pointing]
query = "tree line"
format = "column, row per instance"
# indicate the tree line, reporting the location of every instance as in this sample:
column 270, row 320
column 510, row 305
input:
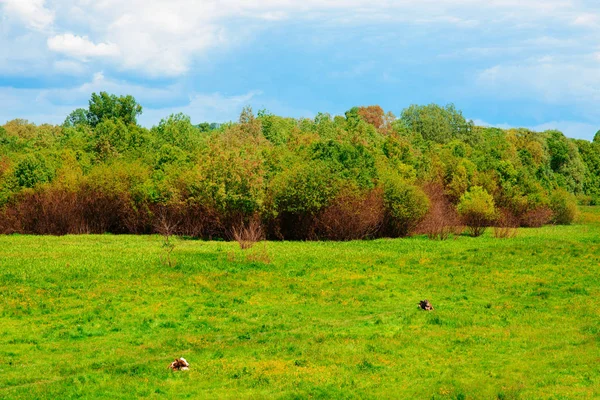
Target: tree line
column 365, row 174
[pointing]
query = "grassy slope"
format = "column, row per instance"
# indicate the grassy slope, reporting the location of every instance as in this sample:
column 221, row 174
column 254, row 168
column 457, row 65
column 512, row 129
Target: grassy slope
column 99, row 316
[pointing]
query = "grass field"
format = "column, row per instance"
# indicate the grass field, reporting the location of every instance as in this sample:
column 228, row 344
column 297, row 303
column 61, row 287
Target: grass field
column 102, row 317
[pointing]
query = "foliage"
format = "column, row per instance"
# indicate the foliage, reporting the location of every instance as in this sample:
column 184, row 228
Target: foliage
column 437, row 124
column 325, row 177
column 105, row 106
column 352, row 215
column 477, row 209
column 32, row 170
column 564, row 207
column 302, row 189
column 405, row 205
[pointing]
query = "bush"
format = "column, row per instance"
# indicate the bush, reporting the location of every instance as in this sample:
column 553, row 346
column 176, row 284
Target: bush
column 352, row 216
column 507, row 225
column 477, row 209
column 405, row 205
column 296, row 196
column 441, row 220
column 248, row 234
column 564, row 206
column 537, row 217
column 302, row 189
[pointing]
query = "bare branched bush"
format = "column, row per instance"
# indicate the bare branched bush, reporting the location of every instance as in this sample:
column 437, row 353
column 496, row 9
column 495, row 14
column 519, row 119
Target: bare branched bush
column 166, row 224
column 506, row 226
column 536, row 218
column 442, row 220
column 352, row 217
column 247, row 234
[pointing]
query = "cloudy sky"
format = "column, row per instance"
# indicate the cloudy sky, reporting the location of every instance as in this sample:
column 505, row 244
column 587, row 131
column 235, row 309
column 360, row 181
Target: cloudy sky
column 532, row 63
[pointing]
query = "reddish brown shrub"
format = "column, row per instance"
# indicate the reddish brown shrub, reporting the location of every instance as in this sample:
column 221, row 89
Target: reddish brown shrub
column 352, row 217
column 536, row 218
column 104, row 212
column 506, row 226
column 290, row 226
column 442, row 220
column 55, row 211
column 200, row 221
column 49, row 212
column 9, row 221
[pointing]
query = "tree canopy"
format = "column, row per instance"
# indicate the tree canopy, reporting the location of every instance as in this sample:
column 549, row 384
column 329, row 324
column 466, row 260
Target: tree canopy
column 102, row 170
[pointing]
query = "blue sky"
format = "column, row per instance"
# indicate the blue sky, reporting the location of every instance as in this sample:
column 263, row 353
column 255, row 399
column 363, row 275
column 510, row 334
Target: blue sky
column 502, row 62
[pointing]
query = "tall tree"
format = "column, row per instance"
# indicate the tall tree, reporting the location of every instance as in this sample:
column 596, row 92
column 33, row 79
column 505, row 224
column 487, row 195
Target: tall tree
column 436, row 123
column 108, row 106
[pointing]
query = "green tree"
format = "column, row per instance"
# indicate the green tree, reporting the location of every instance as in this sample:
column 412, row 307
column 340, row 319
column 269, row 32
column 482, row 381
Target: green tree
column 350, row 162
column 564, row 206
column 559, row 149
column 177, row 130
column 405, row 205
column 76, row 118
column 437, row 124
column 477, row 209
column 105, row 106
column 5, row 139
column 32, row 170
column 303, row 189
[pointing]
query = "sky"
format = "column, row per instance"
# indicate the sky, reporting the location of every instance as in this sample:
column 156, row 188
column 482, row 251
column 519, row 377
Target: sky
column 506, row 63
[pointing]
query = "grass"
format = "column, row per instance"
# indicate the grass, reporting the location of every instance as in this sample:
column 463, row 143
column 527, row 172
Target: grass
column 102, row 317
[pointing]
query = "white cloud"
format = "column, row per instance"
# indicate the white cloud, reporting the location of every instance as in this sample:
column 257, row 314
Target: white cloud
column 548, row 80
column 79, row 95
column 53, row 105
column 587, row 20
column 164, row 37
column 32, row 12
column 531, row 50
column 81, row 47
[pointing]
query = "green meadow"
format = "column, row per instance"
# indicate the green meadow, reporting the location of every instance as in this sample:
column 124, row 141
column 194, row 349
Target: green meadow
column 102, row 317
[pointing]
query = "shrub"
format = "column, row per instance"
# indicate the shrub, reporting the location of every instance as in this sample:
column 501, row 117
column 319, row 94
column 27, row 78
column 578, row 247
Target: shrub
column 477, row 209
column 441, row 220
column 247, row 234
column 405, row 205
column 231, row 175
column 166, row 225
column 297, row 195
column 537, row 217
column 564, row 207
column 352, row 216
column 506, row 226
